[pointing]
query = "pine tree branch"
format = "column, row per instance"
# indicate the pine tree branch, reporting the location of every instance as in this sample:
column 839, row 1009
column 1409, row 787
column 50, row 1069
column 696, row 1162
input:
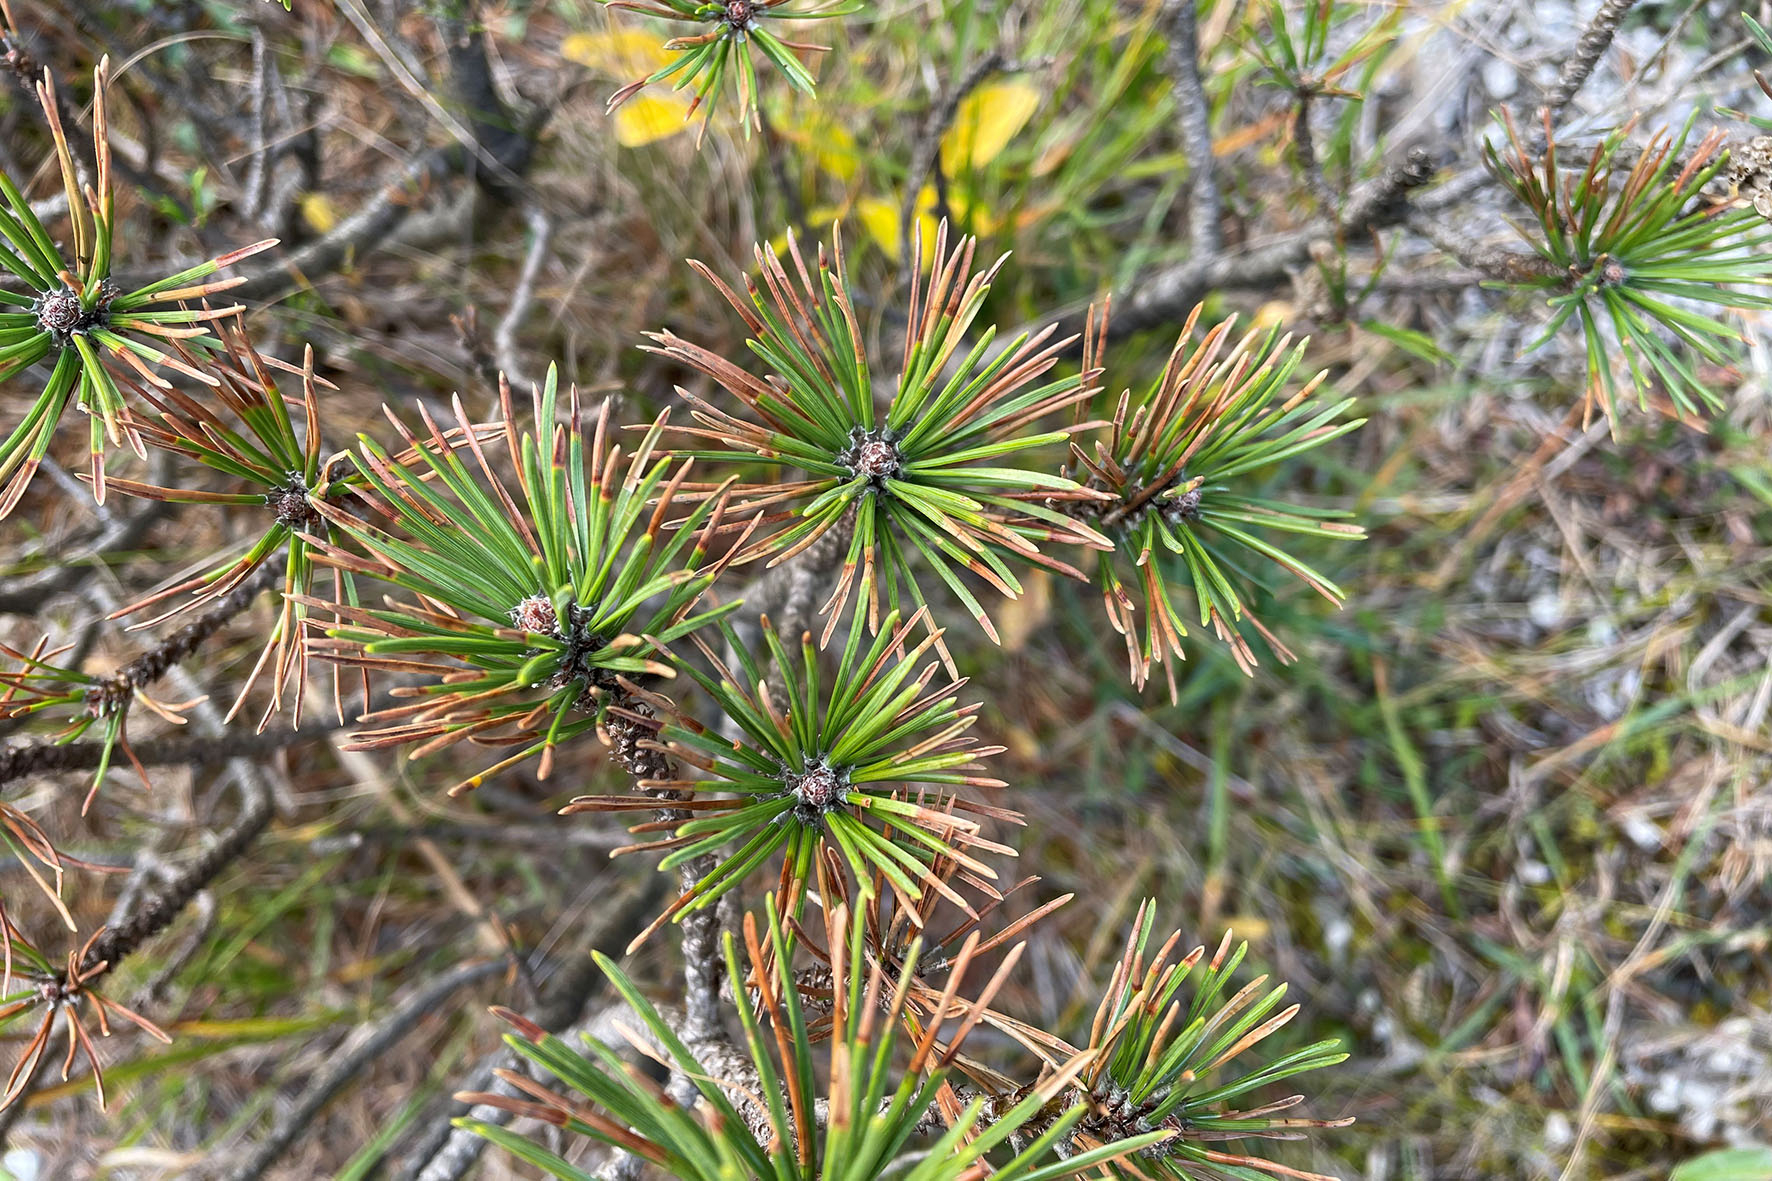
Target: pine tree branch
column 1580, row 63
column 1193, row 110
column 502, row 143
column 504, row 337
column 1509, row 266
column 1305, row 144
column 1165, row 296
column 43, row 758
column 702, row 969
column 116, row 690
column 160, row 907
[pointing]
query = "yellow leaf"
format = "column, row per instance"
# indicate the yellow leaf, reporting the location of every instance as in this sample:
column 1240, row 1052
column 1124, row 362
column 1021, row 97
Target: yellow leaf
column 880, row 218
column 985, row 123
column 1275, row 312
column 318, row 211
column 974, row 215
column 621, row 52
column 646, row 119
column 1248, row 926
column 829, row 143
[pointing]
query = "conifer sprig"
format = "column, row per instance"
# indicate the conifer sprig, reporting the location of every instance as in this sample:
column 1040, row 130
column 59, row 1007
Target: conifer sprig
column 1293, row 46
column 895, row 925
column 1173, row 467
column 845, row 765
column 26, row 841
column 1160, row 1058
column 244, row 430
column 936, row 480
column 879, row 1086
column 74, row 312
column 1631, row 251
column 37, row 684
column 527, row 609
column 733, row 27
column 30, row 983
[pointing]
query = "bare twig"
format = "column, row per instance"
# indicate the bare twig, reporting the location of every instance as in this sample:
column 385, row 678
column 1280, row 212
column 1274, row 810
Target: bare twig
column 152, row 994
column 1305, row 144
column 159, row 908
column 43, row 758
column 1580, row 63
column 258, row 167
column 357, row 234
column 1165, row 296
column 1193, row 112
column 504, row 338
column 496, row 149
column 1495, row 262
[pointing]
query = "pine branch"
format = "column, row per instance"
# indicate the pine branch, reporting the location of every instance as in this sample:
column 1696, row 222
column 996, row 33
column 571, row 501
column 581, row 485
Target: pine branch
column 634, row 748
column 1165, row 296
column 43, row 758
column 1580, row 63
column 1194, row 111
column 150, row 666
column 160, row 908
column 1509, row 266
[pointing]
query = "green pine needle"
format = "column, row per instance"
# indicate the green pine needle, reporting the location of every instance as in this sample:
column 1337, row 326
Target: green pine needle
column 1167, row 1056
column 74, row 311
column 1173, row 468
column 1631, row 252
column 879, row 1086
column 530, row 616
column 243, row 430
column 829, row 768
column 936, row 474
column 734, row 29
